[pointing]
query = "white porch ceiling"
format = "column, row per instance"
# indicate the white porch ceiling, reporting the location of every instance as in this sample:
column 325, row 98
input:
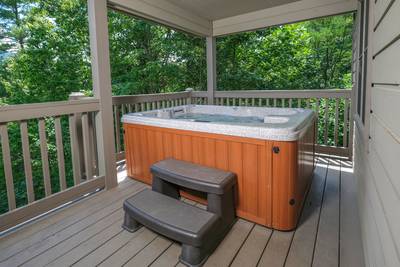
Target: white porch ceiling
column 221, row 17
column 218, row 9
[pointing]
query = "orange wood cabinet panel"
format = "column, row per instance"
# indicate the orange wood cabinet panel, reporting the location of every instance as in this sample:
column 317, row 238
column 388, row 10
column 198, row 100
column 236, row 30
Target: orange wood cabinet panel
column 271, row 186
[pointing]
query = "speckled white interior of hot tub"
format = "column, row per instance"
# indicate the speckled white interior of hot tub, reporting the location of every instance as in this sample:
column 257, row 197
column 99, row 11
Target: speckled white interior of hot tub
column 281, row 124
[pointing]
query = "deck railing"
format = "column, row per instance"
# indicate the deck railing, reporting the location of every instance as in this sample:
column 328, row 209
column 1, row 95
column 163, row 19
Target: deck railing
column 137, row 103
column 333, row 106
column 49, row 150
column 51, row 130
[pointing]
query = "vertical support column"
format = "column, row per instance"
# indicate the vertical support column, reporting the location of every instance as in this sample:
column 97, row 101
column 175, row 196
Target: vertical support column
column 189, row 99
column 211, row 69
column 99, row 48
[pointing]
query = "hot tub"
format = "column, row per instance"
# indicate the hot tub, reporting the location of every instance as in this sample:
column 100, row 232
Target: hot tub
column 270, row 149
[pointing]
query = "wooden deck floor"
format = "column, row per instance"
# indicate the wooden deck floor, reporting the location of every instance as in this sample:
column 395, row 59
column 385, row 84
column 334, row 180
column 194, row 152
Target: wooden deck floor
column 88, row 233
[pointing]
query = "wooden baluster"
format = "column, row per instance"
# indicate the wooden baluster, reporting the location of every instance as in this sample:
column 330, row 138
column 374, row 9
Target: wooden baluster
column 86, row 147
column 5, row 147
column 283, row 102
column 45, row 157
column 27, row 161
column 336, row 121
column 93, row 141
column 253, row 102
column 290, row 102
column 317, row 121
column 260, row 102
column 117, row 128
column 76, row 166
column 246, row 102
column 60, row 154
column 267, row 102
column 142, row 107
column 326, row 121
column 274, row 102
column 345, row 121
column 123, row 111
column 129, row 108
column 299, row 102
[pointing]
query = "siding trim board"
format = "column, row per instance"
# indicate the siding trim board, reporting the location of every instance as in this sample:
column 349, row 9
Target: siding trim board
column 384, row 14
column 387, row 46
column 377, row 167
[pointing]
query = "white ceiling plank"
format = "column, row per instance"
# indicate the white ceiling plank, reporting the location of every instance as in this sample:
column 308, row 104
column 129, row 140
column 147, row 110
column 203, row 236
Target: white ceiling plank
column 218, row 9
column 164, row 12
column 288, row 13
column 209, row 17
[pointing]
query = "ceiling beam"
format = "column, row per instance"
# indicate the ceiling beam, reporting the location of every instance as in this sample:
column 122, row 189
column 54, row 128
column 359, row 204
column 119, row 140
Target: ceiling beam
column 165, row 13
column 284, row 14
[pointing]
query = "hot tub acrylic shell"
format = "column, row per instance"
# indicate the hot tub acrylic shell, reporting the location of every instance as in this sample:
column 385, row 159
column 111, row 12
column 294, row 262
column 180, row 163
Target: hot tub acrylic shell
column 273, row 175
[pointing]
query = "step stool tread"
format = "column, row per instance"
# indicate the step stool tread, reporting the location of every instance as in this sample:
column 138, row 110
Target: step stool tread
column 194, row 176
column 170, row 214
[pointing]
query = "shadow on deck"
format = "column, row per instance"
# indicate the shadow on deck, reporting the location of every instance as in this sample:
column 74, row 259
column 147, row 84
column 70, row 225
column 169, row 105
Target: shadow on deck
column 89, row 232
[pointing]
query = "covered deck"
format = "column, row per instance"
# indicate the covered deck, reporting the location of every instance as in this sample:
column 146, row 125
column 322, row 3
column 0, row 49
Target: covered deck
column 88, row 232
column 80, row 223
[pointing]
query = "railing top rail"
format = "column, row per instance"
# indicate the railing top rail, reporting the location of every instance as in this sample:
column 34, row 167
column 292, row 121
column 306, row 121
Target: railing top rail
column 49, row 109
column 320, row 93
column 134, row 99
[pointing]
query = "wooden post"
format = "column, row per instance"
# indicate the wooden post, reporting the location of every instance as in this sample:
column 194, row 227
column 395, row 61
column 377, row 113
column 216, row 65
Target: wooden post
column 211, row 69
column 189, row 99
column 99, row 50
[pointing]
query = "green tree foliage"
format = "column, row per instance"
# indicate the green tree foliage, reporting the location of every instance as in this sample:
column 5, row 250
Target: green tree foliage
column 308, row 55
column 12, row 31
column 45, row 55
column 148, row 58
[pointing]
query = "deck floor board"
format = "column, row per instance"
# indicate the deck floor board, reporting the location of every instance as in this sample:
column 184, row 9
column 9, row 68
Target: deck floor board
column 88, row 233
column 14, row 243
column 302, row 247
